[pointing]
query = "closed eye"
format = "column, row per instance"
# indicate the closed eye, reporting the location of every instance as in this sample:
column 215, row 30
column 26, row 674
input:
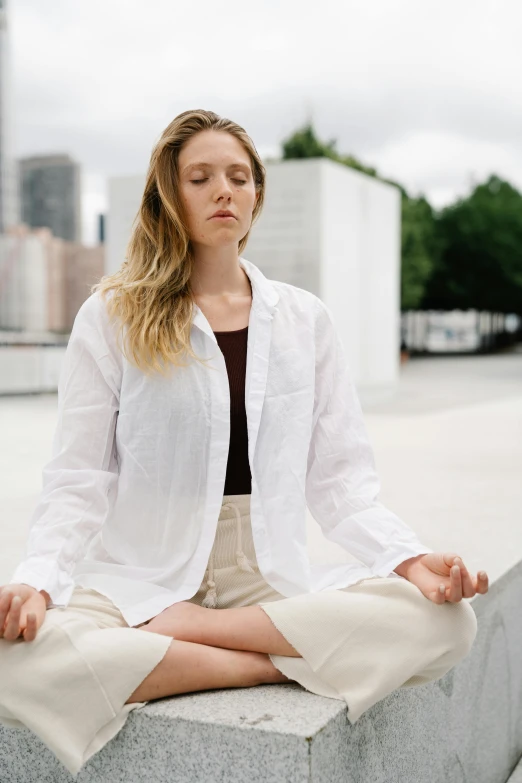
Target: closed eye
column 198, row 181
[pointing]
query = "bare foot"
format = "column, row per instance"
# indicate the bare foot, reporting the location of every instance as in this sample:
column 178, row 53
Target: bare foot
column 180, row 620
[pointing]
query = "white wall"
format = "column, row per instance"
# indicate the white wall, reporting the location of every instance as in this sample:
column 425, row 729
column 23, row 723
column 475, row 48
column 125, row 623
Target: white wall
column 285, row 242
column 360, row 270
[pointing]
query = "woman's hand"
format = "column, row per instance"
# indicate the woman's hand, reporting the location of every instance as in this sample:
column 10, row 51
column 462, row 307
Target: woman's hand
column 22, row 612
column 431, row 571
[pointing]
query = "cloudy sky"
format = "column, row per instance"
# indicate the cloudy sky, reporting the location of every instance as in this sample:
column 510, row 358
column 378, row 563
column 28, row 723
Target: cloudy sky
column 427, row 91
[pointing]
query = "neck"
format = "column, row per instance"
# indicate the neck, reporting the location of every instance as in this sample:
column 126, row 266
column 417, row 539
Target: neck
column 215, row 278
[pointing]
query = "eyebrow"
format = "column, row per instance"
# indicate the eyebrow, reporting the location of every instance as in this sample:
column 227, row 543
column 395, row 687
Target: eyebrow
column 203, row 165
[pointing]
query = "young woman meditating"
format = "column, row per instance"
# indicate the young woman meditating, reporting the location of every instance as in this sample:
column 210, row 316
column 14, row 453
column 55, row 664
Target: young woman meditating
column 201, row 409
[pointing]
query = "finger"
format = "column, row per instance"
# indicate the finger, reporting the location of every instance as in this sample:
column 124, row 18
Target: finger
column 5, row 603
column 449, row 558
column 30, row 630
column 482, row 583
column 439, row 596
column 468, row 588
column 455, row 589
column 12, row 628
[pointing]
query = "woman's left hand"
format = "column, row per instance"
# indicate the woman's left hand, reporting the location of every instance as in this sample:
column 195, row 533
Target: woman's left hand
column 428, row 572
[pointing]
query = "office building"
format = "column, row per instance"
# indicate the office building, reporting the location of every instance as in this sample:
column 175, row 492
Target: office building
column 51, row 195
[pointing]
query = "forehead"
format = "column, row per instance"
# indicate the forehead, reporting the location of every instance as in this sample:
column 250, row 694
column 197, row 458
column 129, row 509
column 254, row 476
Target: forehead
column 213, row 148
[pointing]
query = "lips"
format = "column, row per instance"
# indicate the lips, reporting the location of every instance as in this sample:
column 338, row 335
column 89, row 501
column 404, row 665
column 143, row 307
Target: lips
column 223, row 214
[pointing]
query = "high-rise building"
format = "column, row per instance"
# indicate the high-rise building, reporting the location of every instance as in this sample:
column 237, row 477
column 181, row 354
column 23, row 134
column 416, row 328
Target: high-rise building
column 51, row 194
column 9, row 197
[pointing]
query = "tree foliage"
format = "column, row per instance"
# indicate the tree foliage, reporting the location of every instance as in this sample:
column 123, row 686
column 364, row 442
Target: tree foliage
column 480, row 261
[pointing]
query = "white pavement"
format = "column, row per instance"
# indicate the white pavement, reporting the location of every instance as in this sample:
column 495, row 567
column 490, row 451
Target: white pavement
column 448, row 446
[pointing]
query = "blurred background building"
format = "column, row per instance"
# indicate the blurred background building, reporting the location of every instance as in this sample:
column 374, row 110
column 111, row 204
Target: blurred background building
column 9, row 201
column 44, row 280
column 45, row 270
column 50, row 188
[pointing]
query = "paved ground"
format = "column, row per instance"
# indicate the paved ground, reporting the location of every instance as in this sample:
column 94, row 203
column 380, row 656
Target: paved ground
column 448, row 446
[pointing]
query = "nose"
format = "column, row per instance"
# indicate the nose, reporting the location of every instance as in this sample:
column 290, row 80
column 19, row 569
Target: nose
column 223, row 187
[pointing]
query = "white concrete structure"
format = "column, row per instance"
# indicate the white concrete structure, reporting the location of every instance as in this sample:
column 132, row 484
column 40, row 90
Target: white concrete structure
column 328, row 229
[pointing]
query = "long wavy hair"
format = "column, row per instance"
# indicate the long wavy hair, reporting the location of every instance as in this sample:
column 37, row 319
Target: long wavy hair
column 150, row 296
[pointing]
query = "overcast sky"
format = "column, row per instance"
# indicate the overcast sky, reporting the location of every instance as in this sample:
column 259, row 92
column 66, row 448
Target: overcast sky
column 427, row 91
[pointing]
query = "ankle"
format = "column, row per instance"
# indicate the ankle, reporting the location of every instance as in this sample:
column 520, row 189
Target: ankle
column 268, row 673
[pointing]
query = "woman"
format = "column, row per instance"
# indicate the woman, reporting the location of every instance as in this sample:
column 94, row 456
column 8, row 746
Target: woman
column 184, row 457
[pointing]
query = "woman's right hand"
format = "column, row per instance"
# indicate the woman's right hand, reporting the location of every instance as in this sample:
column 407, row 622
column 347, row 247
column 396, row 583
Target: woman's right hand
column 22, row 612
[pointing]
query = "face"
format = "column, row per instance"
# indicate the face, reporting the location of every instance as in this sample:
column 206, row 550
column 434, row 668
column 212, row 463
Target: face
column 215, row 174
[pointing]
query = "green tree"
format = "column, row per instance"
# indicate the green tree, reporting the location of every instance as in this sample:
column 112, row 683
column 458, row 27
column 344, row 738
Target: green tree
column 480, row 260
column 419, row 250
column 305, row 144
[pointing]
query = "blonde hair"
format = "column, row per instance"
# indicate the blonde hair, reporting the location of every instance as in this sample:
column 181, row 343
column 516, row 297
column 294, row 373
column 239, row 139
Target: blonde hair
column 151, row 294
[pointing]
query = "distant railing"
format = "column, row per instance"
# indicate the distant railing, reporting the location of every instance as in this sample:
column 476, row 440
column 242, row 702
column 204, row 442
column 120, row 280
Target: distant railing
column 458, row 331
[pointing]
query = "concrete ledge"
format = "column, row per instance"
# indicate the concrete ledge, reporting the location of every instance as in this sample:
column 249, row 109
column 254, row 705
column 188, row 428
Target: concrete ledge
column 466, row 726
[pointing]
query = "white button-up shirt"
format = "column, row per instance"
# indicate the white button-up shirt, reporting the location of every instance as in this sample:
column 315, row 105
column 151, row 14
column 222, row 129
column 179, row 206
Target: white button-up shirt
column 133, row 490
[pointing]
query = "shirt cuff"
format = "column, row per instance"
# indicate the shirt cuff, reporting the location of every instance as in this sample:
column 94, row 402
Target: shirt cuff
column 397, row 555
column 41, row 576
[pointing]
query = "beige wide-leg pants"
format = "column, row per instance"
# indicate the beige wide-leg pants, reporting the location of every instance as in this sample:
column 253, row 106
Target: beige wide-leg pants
column 358, row 644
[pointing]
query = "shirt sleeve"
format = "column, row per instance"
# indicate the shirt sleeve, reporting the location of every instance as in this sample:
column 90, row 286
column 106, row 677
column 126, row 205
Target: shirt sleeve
column 81, row 476
column 342, row 486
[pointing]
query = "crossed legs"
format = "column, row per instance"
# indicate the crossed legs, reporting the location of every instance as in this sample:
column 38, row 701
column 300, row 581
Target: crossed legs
column 223, row 648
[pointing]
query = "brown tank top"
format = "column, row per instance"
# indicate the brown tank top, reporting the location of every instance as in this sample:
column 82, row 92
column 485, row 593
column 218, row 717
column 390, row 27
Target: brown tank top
column 234, row 347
